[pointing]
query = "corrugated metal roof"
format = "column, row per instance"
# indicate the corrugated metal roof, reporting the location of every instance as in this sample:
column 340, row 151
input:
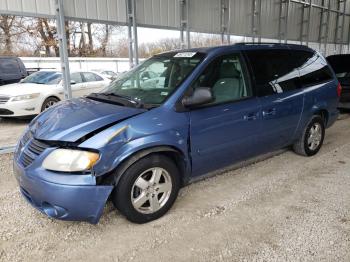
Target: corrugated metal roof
column 204, row 15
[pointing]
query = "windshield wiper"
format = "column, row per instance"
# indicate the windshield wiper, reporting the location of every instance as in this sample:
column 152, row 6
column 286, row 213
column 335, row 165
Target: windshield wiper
column 137, row 103
column 117, row 99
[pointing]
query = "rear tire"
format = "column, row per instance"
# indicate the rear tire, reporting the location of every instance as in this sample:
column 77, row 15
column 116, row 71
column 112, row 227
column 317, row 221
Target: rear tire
column 312, row 137
column 147, row 189
column 50, row 101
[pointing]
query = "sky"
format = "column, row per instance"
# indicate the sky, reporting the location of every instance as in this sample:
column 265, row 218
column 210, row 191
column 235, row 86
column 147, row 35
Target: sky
column 146, row 35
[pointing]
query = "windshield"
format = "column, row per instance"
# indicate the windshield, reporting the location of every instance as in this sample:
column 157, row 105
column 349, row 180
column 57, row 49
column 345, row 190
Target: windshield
column 43, row 77
column 155, row 79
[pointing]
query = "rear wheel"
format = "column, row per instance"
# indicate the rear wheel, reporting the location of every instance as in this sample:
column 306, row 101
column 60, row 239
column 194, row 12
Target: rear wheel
column 147, row 189
column 312, row 138
column 49, row 102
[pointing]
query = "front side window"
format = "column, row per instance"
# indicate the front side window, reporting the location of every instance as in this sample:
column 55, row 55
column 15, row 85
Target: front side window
column 274, row 71
column 225, row 78
column 154, row 80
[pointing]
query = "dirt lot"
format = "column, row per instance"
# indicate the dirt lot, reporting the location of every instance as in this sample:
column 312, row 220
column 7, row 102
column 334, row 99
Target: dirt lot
column 10, row 130
column 286, row 208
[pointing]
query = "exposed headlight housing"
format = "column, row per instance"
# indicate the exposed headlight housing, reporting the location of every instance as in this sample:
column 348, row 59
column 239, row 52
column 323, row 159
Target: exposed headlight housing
column 69, row 160
column 25, row 97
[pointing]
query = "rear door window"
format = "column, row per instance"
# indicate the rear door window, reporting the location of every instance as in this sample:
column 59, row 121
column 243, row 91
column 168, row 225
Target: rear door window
column 91, row 77
column 313, row 68
column 76, row 77
column 274, row 71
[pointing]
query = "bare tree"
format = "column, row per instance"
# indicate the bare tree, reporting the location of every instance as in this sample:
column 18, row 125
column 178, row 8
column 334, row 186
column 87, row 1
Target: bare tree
column 12, row 28
column 105, row 41
column 90, row 38
column 48, row 33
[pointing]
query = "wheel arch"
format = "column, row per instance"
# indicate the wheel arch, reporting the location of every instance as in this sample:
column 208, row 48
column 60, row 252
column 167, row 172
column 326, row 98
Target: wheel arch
column 171, row 152
column 324, row 114
column 52, row 96
column 47, row 97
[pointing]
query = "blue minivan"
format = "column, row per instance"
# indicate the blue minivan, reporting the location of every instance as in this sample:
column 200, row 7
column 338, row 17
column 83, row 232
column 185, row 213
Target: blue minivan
column 174, row 119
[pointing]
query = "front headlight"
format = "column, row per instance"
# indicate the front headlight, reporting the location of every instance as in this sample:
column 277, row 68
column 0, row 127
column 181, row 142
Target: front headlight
column 25, row 97
column 68, row 160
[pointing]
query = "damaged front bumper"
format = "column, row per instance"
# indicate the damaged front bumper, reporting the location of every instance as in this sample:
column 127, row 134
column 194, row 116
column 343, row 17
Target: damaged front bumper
column 75, row 198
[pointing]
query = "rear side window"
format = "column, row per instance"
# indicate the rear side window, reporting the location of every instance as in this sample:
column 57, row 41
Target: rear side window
column 313, row 68
column 76, row 77
column 9, row 66
column 274, row 71
column 91, row 77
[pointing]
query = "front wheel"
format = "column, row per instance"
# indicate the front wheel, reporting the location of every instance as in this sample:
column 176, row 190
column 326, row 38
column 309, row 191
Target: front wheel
column 147, row 189
column 312, row 138
column 49, row 102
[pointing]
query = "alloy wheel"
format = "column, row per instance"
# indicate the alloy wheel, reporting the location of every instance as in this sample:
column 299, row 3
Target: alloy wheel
column 151, row 190
column 315, row 136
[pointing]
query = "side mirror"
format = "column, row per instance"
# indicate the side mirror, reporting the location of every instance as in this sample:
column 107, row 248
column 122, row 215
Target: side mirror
column 72, row 82
column 200, row 96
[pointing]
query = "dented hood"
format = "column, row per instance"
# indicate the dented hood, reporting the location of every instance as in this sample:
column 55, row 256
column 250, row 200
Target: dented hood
column 73, row 119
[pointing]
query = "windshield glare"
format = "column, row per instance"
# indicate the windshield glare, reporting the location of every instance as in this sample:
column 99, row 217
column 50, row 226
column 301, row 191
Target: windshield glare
column 155, row 79
column 42, row 77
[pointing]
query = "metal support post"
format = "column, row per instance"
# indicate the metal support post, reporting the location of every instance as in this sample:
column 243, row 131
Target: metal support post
column 132, row 32
column 321, row 28
column 286, row 21
column 308, row 23
column 229, row 22
column 305, row 23
column 188, row 34
column 184, row 12
column 335, row 40
column 325, row 40
column 134, row 26
column 283, row 20
column 224, row 20
column 256, row 21
column 62, row 41
column 342, row 28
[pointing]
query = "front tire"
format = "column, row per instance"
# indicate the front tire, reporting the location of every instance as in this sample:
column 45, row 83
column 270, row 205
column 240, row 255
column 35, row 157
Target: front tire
column 147, row 189
column 49, row 102
column 312, row 138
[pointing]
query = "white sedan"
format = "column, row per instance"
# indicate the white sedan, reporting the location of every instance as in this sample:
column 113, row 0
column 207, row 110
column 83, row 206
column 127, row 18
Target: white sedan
column 43, row 89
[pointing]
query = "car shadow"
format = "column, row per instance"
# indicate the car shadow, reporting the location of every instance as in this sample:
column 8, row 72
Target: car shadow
column 10, row 120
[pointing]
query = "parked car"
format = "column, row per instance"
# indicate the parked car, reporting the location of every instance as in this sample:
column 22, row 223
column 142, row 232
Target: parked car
column 41, row 90
column 107, row 73
column 138, row 146
column 341, row 67
column 12, row 70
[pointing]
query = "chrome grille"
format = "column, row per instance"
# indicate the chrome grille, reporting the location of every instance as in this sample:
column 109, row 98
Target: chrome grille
column 4, row 99
column 32, row 151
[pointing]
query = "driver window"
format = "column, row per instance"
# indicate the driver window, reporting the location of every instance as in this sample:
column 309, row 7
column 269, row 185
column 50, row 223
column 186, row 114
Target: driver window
column 225, row 78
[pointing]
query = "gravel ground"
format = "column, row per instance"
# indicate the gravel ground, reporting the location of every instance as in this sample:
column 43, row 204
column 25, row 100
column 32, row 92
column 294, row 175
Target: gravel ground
column 10, row 130
column 286, row 208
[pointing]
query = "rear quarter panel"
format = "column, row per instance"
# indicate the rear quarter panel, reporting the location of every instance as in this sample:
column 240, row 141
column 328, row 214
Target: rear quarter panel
column 321, row 97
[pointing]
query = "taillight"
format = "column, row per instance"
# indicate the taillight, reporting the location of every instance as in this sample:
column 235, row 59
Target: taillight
column 339, row 88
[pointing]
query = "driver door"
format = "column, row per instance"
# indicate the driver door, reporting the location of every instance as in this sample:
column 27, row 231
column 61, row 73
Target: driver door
column 224, row 131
